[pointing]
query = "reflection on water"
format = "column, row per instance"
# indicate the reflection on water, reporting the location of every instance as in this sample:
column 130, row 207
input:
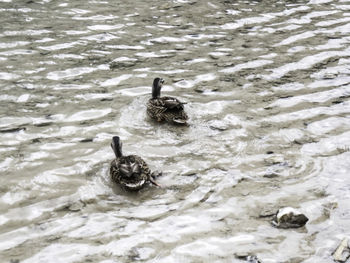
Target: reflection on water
column 267, row 86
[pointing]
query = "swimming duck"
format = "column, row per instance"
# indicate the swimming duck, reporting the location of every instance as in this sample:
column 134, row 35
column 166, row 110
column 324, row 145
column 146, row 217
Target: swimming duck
column 167, row 109
column 131, row 172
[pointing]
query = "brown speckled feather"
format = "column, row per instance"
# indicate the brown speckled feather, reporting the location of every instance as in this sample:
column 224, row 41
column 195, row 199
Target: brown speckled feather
column 167, row 109
column 135, row 182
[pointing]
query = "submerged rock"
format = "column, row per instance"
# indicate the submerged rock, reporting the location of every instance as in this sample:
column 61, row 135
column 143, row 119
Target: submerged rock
column 218, row 125
column 76, row 206
column 247, row 258
column 275, row 159
column 289, row 217
column 271, row 174
column 342, row 253
column 204, row 89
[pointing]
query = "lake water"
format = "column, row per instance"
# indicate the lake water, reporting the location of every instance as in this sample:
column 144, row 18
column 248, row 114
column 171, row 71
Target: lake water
column 267, row 87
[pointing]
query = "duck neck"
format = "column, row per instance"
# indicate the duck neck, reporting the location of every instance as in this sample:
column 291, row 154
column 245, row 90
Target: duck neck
column 155, row 92
column 117, row 147
column 117, row 152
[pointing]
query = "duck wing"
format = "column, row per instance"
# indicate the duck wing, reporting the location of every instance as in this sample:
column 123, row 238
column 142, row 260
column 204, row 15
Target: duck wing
column 131, row 172
column 172, row 103
column 141, row 167
column 169, row 109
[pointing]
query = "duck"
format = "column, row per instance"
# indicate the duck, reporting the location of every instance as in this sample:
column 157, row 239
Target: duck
column 130, row 172
column 166, row 108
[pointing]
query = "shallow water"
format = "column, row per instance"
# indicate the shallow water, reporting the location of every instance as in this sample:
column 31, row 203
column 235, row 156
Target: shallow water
column 267, row 86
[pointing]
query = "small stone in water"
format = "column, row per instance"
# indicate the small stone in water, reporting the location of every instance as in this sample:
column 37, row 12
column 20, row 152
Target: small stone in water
column 177, row 79
column 106, row 99
column 342, row 253
column 274, row 160
column 87, row 140
column 76, row 206
column 247, row 257
column 218, row 125
column 205, row 89
column 271, row 175
column 289, row 217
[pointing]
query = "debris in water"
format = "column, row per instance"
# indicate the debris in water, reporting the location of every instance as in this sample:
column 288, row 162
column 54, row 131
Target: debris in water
column 271, row 174
column 13, row 129
column 275, row 159
column 204, row 89
column 76, row 206
column 342, row 253
column 289, row 217
column 43, row 124
column 248, row 258
column 87, row 140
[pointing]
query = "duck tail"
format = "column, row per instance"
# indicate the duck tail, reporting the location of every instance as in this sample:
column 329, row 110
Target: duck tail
column 180, row 121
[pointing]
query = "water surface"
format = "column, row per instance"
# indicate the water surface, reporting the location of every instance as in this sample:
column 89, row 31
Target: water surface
column 267, row 86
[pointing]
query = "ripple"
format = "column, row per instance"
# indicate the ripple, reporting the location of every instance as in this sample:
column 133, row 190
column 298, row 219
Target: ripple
column 105, row 27
column 8, row 76
column 305, row 63
column 29, row 32
column 198, row 79
column 126, row 47
column 329, row 146
column 212, row 246
column 59, row 46
column 69, row 73
column 308, row 113
column 328, row 125
column 333, row 22
column 87, row 115
column 142, row 90
column 295, row 38
column 313, row 97
column 17, row 52
column 62, row 253
column 248, row 65
column 13, row 44
column 115, row 81
column 100, row 37
column 14, row 121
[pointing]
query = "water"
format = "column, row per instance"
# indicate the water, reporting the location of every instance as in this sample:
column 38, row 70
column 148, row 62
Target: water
column 267, row 86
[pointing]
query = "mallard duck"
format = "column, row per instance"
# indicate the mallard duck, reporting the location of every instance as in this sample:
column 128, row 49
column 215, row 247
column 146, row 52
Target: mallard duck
column 167, row 109
column 131, row 172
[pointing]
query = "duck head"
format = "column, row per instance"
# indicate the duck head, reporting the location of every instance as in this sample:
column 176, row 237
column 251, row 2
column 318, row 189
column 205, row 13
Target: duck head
column 117, row 146
column 157, row 85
